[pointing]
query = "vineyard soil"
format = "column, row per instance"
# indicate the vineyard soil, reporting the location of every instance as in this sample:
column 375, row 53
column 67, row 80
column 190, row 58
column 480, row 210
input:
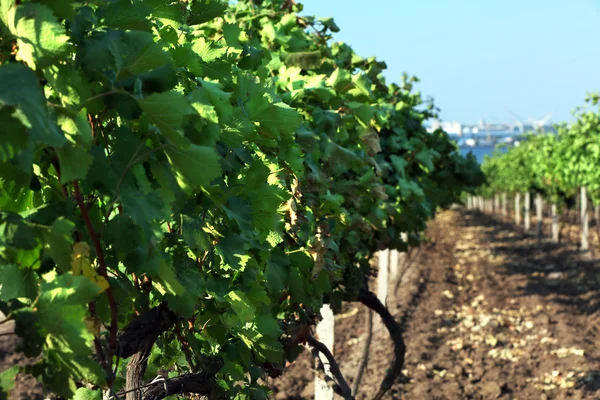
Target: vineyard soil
column 488, row 313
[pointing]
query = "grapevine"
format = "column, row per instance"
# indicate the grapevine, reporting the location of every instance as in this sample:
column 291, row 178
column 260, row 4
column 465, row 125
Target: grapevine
column 554, row 165
column 184, row 184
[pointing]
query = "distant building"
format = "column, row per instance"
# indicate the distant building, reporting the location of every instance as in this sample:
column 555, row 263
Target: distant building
column 452, row 128
column 482, row 128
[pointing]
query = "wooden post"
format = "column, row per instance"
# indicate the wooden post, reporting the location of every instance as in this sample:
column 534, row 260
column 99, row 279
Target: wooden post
column 584, row 220
column 325, row 334
column 527, row 211
column 539, row 212
column 555, row 230
column 400, row 259
column 394, row 270
column 504, row 205
column 383, row 276
column 496, row 204
column 518, row 209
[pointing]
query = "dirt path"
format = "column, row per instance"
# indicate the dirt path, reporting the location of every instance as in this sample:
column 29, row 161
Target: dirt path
column 488, row 313
column 511, row 318
column 26, row 387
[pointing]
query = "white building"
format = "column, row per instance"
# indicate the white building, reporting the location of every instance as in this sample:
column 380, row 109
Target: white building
column 452, row 128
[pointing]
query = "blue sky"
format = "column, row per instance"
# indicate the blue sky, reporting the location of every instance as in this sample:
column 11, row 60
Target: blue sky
column 477, row 58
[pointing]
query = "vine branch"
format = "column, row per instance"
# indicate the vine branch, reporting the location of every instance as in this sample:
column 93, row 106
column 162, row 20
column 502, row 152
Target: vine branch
column 102, row 270
column 136, row 341
column 365, row 354
column 341, row 387
column 370, row 300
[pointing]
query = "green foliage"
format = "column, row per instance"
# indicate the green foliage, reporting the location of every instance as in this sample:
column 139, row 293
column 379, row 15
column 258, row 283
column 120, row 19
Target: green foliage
column 554, row 165
column 229, row 161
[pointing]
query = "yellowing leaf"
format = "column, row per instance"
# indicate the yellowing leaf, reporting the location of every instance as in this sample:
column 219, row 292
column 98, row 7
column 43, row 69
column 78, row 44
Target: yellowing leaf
column 82, row 265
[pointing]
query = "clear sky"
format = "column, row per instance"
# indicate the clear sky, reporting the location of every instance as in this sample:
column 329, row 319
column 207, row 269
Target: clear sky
column 477, row 58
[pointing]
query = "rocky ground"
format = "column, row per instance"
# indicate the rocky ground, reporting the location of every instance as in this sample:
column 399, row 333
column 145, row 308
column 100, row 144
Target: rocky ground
column 488, row 311
column 26, row 388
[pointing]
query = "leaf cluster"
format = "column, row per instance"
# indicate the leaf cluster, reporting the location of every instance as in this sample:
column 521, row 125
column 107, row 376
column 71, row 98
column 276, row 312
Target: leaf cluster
column 229, row 161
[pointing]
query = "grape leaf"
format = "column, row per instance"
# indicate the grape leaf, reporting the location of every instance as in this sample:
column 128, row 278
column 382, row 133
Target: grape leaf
column 195, row 166
column 40, row 37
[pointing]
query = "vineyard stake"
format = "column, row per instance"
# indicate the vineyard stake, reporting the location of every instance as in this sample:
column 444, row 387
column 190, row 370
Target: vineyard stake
column 527, row 211
column 496, row 204
column 555, row 230
column 584, row 220
column 325, row 333
column 383, row 276
column 539, row 204
column 518, row 209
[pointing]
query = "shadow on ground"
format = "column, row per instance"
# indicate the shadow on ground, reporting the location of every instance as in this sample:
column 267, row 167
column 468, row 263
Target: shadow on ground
column 560, row 272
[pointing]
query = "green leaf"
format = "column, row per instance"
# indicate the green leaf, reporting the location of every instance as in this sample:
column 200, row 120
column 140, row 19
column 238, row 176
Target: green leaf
column 123, row 14
column 169, row 280
column 14, row 136
column 58, row 243
column 193, row 234
column 70, row 85
column 399, row 164
column 101, row 54
column 240, row 211
column 143, row 209
column 212, row 93
column 329, row 23
column 20, row 88
column 241, row 306
column 65, row 290
column 208, row 51
column 74, row 162
column 40, row 37
column 87, row 394
column 276, row 120
column 167, row 111
column 232, row 249
column 251, row 58
column 143, row 54
column 17, row 283
column 277, row 273
column 75, row 157
column 206, row 10
column 231, row 33
column 424, row 157
column 266, row 202
column 195, row 166
column 166, row 12
column 64, row 9
column 7, row 381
